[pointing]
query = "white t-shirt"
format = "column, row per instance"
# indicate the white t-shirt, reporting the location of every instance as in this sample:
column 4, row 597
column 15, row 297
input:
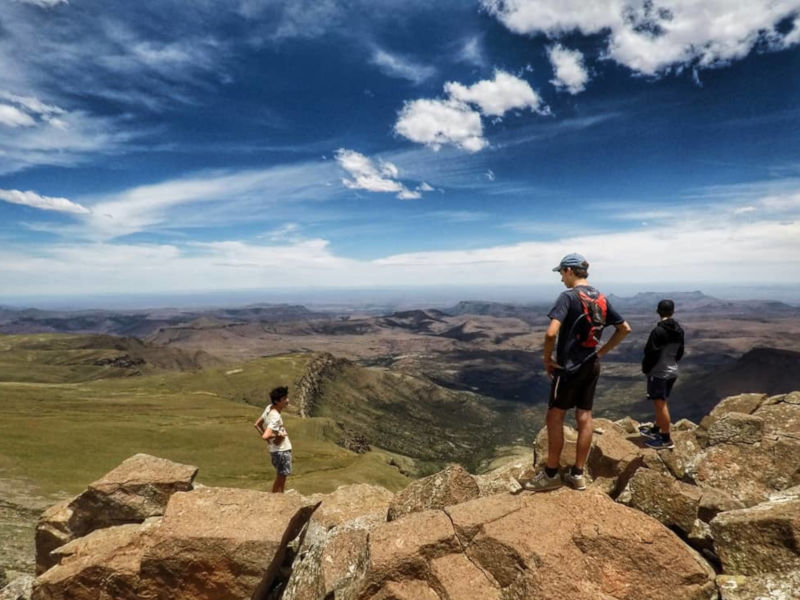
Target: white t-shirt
column 272, row 420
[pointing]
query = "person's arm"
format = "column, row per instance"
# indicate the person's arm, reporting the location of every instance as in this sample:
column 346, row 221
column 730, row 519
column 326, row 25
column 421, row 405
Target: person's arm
column 651, row 351
column 259, row 425
column 271, row 434
column 549, row 345
column 620, row 331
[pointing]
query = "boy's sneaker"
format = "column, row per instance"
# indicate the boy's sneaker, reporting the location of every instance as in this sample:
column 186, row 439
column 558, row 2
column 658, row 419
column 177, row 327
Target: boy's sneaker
column 659, row 443
column 542, row 483
column 576, row 482
column 648, row 431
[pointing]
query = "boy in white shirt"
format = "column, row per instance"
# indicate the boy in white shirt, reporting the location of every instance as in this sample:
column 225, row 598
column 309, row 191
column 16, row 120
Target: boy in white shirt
column 270, row 426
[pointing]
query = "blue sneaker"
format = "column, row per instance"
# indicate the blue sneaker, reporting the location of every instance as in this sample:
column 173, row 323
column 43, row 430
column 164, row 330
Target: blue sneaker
column 659, row 443
column 648, row 431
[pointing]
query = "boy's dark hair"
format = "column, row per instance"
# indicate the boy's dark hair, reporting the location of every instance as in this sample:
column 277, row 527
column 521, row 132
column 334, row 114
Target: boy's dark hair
column 278, row 394
column 666, row 308
column 582, row 272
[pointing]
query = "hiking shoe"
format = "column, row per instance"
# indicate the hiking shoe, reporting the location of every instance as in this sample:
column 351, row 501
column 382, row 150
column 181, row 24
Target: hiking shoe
column 576, row 482
column 542, row 483
column 659, row 443
column 648, row 431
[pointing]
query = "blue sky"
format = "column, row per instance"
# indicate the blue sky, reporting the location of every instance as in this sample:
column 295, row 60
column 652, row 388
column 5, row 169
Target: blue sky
column 167, row 147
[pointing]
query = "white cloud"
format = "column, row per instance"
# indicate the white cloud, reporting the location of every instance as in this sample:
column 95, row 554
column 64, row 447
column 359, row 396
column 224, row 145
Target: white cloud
column 394, row 65
column 570, row 73
column 497, row 96
column 472, row 52
column 653, row 37
column 436, row 123
column 11, row 116
column 35, row 200
column 454, row 122
column 366, row 175
column 45, row 3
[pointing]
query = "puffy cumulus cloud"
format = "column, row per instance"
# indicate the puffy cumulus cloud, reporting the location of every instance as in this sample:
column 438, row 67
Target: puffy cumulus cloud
column 373, row 177
column 457, row 120
column 436, row 123
column 653, row 36
column 34, row 200
column 495, row 97
column 401, row 67
column 570, row 73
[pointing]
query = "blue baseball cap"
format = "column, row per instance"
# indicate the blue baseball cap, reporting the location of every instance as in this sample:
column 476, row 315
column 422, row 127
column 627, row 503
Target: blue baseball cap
column 572, row 260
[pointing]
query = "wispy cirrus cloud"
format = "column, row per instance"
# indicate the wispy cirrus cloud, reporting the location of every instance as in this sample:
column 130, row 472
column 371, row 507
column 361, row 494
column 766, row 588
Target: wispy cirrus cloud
column 652, row 38
column 396, row 65
column 366, row 174
column 35, row 200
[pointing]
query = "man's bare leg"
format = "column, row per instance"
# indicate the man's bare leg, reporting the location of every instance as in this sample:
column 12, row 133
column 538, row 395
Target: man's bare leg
column 555, row 436
column 584, row 419
column 279, row 484
column 662, row 415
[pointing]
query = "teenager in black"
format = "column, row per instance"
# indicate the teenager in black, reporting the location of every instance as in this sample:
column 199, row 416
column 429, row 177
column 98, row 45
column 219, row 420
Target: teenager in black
column 662, row 352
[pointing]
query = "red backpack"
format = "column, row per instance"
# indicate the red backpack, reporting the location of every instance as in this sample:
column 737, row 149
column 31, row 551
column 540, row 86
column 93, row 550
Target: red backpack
column 589, row 326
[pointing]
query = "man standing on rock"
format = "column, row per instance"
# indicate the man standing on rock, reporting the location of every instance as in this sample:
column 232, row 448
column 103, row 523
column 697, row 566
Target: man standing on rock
column 576, row 320
column 270, row 426
column 660, row 364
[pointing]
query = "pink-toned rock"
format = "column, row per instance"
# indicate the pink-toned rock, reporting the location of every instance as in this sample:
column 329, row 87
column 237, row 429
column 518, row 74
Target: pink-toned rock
column 682, row 460
column 613, row 458
column 449, row 486
column 552, row 546
column 331, row 566
column 674, row 503
column 137, row 489
column 102, row 564
column 750, row 473
column 349, row 502
column 218, row 543
column 506, row 478
column 759, row 540
column 736, row 428
column 742, row 403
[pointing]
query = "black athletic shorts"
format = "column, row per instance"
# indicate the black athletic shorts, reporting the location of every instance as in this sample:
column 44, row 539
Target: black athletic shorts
column 658, row 388
column 575, row 390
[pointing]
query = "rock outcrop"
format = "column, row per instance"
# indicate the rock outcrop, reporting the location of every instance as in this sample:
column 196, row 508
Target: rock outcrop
column 137, row 489
column 728, row 495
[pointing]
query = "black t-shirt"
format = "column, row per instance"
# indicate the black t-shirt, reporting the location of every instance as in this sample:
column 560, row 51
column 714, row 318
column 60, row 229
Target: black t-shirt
column 567, row 309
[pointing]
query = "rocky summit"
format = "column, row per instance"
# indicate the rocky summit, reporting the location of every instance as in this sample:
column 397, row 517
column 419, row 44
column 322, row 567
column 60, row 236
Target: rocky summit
column 718, row 517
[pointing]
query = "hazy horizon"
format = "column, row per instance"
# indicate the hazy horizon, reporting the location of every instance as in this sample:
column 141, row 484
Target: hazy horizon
column 354, row 298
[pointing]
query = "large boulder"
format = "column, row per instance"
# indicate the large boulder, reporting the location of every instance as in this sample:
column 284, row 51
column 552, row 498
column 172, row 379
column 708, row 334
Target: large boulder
column 674, row 503
column 449, row 486
column 137, row 489
column 736, row 428
column 218, row 542
column 505, row 478
column 613, row 458
column 750, row 473
column 102, row 564
column 562, row 544
column 211, row 543
column 760, row 539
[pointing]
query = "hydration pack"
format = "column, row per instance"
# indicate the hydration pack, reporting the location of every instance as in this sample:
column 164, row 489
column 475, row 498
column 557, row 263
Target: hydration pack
column 589, row 326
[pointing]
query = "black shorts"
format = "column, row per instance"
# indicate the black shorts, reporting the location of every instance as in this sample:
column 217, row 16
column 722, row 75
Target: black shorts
column 658, row 388
column 577, row 389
